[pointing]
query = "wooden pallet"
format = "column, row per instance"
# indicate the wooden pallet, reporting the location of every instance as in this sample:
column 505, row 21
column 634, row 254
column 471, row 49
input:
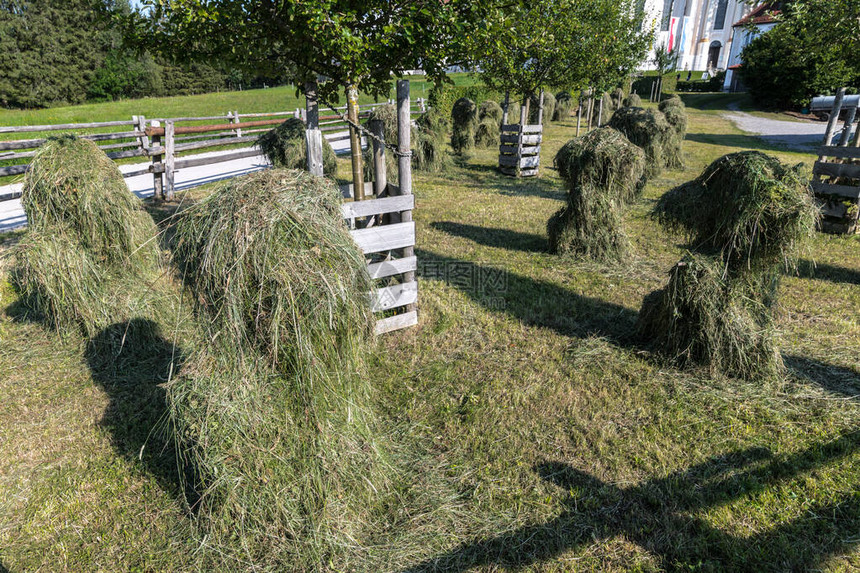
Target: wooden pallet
column 386, row 242
column 836, row 175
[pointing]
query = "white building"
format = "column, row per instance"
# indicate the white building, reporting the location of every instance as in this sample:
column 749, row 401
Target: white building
column 762, row 19
column 701, row 30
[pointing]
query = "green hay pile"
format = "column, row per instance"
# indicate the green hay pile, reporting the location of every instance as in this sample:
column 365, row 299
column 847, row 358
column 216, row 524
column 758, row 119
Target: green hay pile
column 513, row 112
column 548, row 107
column 429, row 143
column 464, row 120
column 675, row 111
column 272, row 414
column 603, row 172
column 633, row 100
column 564, row 106
column 285, row 146
column 490, row 110
column 703, row 317
column 748, row 207
column 90, row 247
column 746, row 217
column 487, row 134
column 649, row 130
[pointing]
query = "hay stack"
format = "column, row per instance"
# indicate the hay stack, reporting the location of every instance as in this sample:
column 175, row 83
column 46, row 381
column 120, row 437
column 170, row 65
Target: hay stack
column 548, row 107
column 90, row 245
column 633, row 100
column 285, row 146
column 564, row 106
column 675, row 111
column 429, row 142
column 487, row 134
column 513, row 112
column 603, row 171
column 492, row 110
column 745, row 217
column 464, row 120
column 272, row 415
column 649, row 130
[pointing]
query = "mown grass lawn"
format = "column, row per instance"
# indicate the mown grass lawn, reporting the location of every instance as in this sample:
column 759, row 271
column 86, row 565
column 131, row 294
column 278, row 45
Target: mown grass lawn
column 537, row 432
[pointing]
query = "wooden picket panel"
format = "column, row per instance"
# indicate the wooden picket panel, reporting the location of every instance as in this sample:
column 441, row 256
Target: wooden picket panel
column 836, row 176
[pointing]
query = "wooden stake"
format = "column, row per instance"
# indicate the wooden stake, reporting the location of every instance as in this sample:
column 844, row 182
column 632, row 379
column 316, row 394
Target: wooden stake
column 313, row 135
column 600, row 112
column 380, row 180
column 846, row 129
column 505, row 107
column 524, row 110
column 578, row 115
column 834, row 117
column 157, row 181
column 404, row 164
column 355, row 144
column 169, row 160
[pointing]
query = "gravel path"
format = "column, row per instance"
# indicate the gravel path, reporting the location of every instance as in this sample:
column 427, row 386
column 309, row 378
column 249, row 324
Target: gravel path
column 797, row 135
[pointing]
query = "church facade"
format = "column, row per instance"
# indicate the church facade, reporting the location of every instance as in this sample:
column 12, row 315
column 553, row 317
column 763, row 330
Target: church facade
column 701, row 30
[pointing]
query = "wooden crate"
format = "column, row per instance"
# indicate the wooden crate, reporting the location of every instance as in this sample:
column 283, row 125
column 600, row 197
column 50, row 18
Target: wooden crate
column 519, row 151
column 836, row 185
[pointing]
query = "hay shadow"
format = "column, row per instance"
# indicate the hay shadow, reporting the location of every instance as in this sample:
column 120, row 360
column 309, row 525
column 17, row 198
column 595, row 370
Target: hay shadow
column 532, row 301
column 836, row 379
column 3, row 569
column 655, row 516
column 494, row 237
column 130, row 361
column 824, row 272
column 778, row 143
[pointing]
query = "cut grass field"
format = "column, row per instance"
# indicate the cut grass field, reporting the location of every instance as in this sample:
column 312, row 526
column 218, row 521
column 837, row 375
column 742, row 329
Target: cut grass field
column 540, row 434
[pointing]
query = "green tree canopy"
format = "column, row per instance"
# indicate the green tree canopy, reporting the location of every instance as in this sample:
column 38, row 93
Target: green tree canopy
column 528, row 45
column 813, row 50
column 348, row 42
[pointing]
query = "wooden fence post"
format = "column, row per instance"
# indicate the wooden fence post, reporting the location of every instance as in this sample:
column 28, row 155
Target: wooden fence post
column 600, row 111
column 834, row 116
column 380, row 180
column 579, row 114
column 157, row 179
column 590, row 108
column 355, row 144
column 404, row 164
column 505, row 107
column 846, row 128
column 524, row 110
column 313, row 135
column 237, row 120
column 169, row 159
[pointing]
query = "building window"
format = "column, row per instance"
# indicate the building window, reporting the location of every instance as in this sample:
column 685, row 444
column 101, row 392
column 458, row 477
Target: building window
column 720, row 18
column 667, row 15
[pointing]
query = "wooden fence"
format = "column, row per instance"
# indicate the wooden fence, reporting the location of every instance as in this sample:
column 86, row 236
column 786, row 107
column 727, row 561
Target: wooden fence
column 165, row 140
column 836, row 174
column 519, row 147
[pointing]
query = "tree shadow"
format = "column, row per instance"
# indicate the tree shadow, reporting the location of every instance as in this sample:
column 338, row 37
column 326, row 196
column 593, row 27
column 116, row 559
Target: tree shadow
column 533, row 301
column 832, row 273
column 836, row 379
column 494, row 237
column 655, row 515
column 130, row 361
column 778, row 143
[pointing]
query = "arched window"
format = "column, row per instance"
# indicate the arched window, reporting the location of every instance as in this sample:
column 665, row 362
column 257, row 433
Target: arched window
column 714, row 55
column 720, row 18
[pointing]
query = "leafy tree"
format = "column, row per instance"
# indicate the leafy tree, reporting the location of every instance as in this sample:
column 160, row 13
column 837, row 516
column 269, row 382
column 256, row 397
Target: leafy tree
column 530, row 45
column 346, row 42
column 48, row 51
column 811, row 51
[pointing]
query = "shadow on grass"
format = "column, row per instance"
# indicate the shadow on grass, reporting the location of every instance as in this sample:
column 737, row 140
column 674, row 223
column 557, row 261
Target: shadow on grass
column 130, row 360
column 832, row 273
column 3, row 569
column 778, row 143
column 837, row 379
column 494, row 237
column 533, row 301
column 490, row 177
column 655, row 516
